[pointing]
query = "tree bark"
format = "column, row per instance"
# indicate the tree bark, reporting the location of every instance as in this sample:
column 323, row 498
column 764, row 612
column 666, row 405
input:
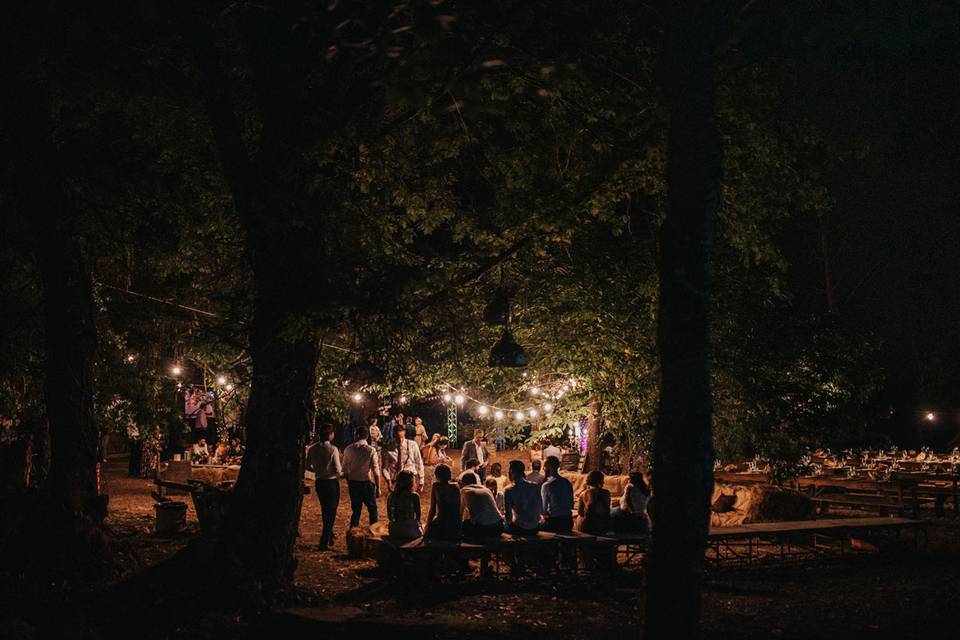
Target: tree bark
column 593, row 437
column 683, row 449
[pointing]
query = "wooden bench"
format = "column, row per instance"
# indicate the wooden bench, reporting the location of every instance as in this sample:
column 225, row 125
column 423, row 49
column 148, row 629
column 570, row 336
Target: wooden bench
column 543, row 552
column 802, row 539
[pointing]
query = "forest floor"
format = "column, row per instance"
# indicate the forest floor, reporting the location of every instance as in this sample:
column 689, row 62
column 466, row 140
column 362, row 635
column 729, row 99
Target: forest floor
column 903, row 594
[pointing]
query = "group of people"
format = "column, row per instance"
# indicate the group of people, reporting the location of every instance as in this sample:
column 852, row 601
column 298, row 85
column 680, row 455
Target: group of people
column 226, row 452
column 479, row 502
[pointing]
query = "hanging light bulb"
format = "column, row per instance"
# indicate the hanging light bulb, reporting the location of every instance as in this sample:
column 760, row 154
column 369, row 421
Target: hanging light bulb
column 357, row 397
column 130, row 357
column 402, row 400
column 458, row 399
column 176, row 370
column 482, row 410
column 548, row 407
column 229, row 387
column 447, row 397
column 518, row 416
column 532, row 413
column 535, row 391
column 221, row 380
column 498, row 414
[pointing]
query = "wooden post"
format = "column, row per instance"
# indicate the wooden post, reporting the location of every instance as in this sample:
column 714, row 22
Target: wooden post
column 594, row 420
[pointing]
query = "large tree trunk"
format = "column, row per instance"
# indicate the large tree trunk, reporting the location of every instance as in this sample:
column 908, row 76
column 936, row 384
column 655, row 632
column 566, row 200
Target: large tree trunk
column 593, row 437
column 683, row 450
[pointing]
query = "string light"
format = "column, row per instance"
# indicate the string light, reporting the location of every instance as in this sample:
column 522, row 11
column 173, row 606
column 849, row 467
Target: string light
column 447, row 397
column 518, row 416
column 130, row 358
column 498, row 414
column 229, row 387
column 482, row 410
column 221, row 380
column 532, row 413
column 176, row 370
column 548, row 407
column 459, row 399
column 535, row 391
column 403, row 400
column 357, row 397
column 931, row 416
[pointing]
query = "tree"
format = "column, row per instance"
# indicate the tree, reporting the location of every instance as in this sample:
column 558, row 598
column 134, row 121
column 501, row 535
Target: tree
column 683, row 448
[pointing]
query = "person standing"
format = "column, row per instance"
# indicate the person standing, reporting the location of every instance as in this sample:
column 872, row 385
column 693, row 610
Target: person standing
column 474, row 450
column 375, row 435
column 405, row 456
column 360, row 462
column 556, row 493
column 324, row 460
column 420, row 432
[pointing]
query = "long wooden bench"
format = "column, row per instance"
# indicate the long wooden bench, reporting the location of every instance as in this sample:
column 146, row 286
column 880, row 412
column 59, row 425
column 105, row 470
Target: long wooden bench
column 542, row 552
column 802, row 539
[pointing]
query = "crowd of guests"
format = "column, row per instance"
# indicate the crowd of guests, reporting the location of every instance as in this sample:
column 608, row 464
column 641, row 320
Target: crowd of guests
column 479, row 502
column 227, row 451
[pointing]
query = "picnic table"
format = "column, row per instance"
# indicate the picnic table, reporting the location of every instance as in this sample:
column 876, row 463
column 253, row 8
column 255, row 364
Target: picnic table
column 898, row 493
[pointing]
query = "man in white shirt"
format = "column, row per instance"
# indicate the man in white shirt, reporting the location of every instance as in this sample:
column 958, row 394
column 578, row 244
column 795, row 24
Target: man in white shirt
column 405, row 456
column 478, row 503
column 200, row 454
column 521, row 501
column 360, row 462
column 552, row 450
column 324, row 460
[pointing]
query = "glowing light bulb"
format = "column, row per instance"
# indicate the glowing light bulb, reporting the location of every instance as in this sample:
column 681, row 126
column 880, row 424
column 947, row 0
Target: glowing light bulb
column 931, row 416
column 535, row 391
column 229, row 387
column 498, row 414
column 357, row 397
column 483, row 410
column 447, row 397
column 221, row 380
column 458, row 399
column 532, row 413
column 518, row 416
column 130, row 358
column 176, row 370
column 548, row 407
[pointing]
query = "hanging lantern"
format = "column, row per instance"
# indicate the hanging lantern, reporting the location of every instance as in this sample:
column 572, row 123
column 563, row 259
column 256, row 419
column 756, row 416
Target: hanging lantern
column 507, row 353
column 361, row 374
column 497, row 311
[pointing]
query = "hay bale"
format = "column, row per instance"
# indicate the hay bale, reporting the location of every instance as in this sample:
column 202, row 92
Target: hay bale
column 760, row 503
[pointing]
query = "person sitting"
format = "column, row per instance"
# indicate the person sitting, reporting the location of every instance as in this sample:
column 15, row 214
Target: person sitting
column 443, row 520
column 556, row 493
column 403, row 508
column 521, row 502
column 631, row 514
column 481, row 508
column 199, row 453
column 222, row 453
column 469, row 466
column 491, row 483
column 236, row 449
column 593, row 508
column 535, row 477
column 496, row 473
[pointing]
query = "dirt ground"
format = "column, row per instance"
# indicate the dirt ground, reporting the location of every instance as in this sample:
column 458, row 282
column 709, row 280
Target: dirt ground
column 903, row 594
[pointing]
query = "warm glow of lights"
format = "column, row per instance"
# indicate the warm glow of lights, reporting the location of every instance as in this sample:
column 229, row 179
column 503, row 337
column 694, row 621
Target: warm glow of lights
column 229, row 387
column 931, row 416
column 498, row 414
column 403, row 399
column 458, row 399
column 130, row 358
column 176, row 370
column 482, row 410
column 519, row 416
column 221, row 380
column 548, row 407
column 447, row 397
column 532, row 413
column 535, row 391
column 357, row 397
